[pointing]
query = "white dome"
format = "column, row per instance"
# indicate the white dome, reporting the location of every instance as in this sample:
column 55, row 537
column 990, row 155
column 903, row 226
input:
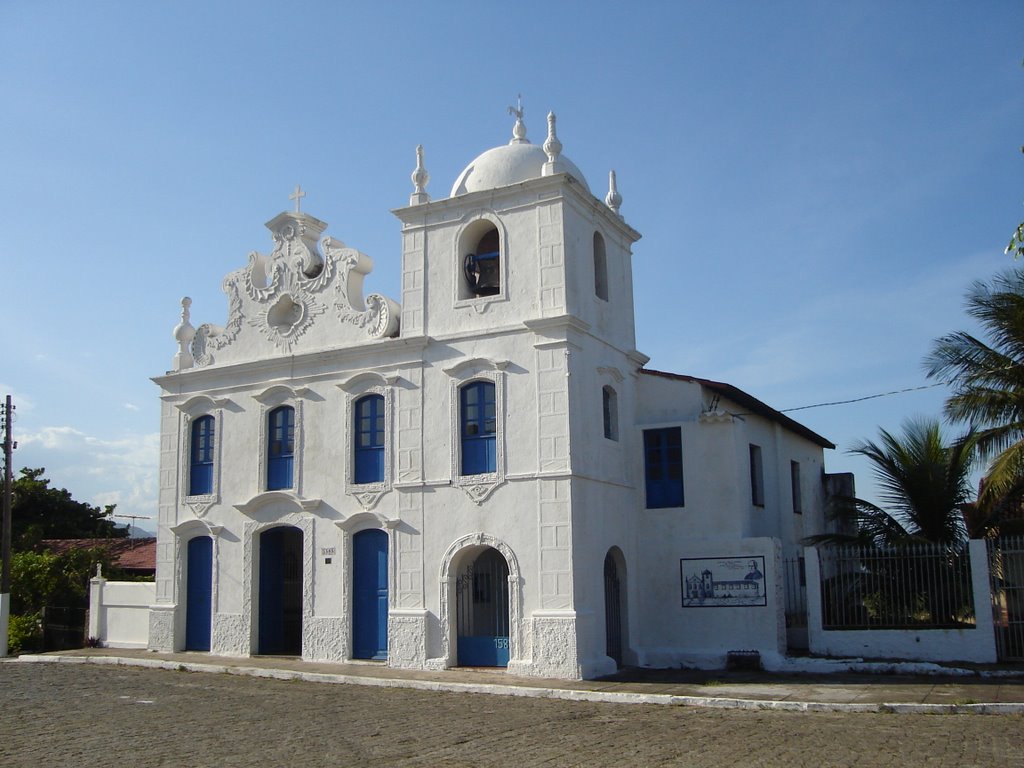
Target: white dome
column 508, row 164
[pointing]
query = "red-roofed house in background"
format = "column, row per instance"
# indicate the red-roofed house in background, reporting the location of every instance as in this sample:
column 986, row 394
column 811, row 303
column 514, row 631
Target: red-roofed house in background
column 136, row 557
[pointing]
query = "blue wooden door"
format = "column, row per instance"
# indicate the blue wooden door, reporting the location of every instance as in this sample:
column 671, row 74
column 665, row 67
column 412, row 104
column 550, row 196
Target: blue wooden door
column 482, row 612
column 280, row 593
column 198, row 602
column 370, row 595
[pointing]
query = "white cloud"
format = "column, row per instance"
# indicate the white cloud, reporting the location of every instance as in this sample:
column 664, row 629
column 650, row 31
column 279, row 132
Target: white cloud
column 121, row 470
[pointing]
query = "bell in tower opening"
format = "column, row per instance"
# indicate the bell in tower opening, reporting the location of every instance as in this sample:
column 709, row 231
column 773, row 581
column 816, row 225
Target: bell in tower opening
column 483, row 267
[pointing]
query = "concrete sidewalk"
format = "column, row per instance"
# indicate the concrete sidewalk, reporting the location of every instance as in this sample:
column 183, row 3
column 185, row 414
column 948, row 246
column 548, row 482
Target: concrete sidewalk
column 846, row 692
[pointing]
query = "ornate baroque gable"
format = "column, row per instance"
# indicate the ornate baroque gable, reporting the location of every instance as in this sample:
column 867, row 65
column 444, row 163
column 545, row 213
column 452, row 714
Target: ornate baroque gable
column 297, row 298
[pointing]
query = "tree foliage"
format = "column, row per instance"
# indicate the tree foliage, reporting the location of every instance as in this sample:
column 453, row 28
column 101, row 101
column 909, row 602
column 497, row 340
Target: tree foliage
column 41, row 512
column 924, row 484
column 987, row 379
column 1016, row 246
column 40, row 579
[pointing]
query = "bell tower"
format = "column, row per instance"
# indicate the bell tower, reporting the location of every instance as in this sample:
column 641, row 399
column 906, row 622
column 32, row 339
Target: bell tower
column 521, row 282
column 519, row 239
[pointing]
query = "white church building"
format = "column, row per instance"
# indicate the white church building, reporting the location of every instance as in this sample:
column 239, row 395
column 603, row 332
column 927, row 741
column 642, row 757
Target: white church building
column 479, row 473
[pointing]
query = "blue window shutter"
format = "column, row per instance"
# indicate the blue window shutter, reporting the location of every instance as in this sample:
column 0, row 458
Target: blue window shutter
column 368, row 439
column 479, row 426
column 200, row 479
column 280, row 448
column 663, row 467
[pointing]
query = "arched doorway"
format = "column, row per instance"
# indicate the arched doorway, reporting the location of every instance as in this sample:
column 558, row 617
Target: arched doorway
column 482, row 619
column 198, row 593
column 280, row 592
column 613, row 607
column 370, row 595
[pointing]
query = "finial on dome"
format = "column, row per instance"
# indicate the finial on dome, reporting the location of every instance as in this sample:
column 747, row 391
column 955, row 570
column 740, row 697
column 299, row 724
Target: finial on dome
column 183, row 334
column 420, row 179
column 613, row 199
column 519, row 129
column 553, row 149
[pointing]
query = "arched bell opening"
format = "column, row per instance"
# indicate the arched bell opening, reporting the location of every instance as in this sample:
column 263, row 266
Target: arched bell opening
column 481, row 260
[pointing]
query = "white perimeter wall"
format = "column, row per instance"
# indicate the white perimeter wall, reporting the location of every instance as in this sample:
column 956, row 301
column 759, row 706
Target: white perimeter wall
column 119, row 612
column 976, row 645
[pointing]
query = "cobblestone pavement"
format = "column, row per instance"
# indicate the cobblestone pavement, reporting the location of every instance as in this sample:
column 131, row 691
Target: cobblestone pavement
column 64, row 714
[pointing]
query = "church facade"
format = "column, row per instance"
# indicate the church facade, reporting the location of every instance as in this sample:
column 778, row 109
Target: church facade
column 481, row 473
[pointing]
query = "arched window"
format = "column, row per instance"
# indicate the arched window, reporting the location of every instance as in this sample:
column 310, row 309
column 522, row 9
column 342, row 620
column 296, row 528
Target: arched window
column 610, row 403
column 478, row 420
column 600, row 268
column 368, row 434
column 280, row 447
column 482, row 264
column 200, row 477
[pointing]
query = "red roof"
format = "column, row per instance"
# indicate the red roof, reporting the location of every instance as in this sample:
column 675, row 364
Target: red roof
column 130, row 554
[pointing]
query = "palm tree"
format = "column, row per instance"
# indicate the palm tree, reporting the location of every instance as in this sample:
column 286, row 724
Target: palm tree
column 987, row 378
column 924, row 485
column 924, row 488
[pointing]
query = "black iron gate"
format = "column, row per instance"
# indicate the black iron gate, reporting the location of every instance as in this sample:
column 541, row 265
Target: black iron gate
column 1006, row 570
column 612, row 610
column 482, row 612
column 63, row 628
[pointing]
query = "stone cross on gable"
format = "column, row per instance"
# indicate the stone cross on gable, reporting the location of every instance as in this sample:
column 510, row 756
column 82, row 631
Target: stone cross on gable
column 297, row 196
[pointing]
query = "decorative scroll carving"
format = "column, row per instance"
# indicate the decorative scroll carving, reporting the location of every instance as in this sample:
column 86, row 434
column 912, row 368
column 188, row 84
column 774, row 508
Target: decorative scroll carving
column 276, row 293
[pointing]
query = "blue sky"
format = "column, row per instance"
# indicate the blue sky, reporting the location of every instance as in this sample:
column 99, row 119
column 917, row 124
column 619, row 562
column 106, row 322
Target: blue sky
column 817, row 183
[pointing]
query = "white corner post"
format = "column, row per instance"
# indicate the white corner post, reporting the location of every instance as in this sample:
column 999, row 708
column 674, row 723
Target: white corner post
column 97, row 619
column 5, row 529
column 5, row 614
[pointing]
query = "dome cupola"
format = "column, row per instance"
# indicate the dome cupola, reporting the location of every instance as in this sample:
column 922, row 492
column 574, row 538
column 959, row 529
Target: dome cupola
column 514, row 162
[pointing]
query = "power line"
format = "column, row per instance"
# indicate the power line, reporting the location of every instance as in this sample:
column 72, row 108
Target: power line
column 862, row 399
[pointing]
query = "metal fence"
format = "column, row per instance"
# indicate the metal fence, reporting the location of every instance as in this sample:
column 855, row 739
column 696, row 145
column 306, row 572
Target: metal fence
column 924, row 586
column 795, row 584
column 1006, row 571
column 63, row 628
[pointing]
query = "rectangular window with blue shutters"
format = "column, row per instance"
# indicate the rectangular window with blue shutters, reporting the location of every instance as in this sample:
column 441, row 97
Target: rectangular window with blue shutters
column 200, row 478
column 280, row 448
column 478, row 418
column 663, row 467
column 368, row 432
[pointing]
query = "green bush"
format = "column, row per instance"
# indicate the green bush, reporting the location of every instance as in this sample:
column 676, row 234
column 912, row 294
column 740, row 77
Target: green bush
column 24, row 633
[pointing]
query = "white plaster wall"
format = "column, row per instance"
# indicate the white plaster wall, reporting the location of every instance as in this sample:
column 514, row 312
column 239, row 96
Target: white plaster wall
column 119, row 612
column 673, row 635
column 611, row 320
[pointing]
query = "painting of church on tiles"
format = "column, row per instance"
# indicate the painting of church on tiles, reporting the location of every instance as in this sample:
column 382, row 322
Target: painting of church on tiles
column 482, row 473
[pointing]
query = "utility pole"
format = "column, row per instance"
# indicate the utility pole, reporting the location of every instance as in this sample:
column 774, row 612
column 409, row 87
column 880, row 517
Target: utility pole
column 5, row 546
